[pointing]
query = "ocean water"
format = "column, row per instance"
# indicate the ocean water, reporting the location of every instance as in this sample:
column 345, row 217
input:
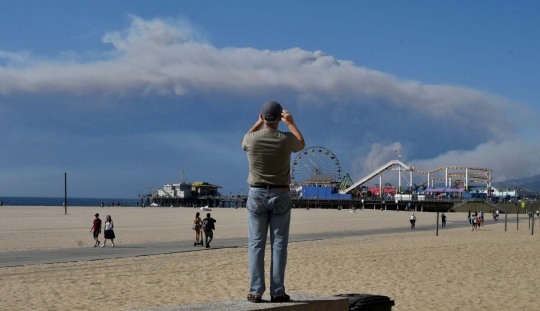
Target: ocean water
column 58, row 201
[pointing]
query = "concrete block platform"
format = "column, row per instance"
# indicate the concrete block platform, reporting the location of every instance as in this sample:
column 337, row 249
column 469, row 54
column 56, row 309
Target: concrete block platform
column 299, row 302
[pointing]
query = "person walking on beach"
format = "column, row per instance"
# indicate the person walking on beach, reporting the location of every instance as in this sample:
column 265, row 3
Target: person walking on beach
column 413, row 221
column 443, row 219
column 197, row 227
column 108, row 232
column 207, row 226
column 474, row 222
column 96, row 229
column 269, row 199
column 482, row 217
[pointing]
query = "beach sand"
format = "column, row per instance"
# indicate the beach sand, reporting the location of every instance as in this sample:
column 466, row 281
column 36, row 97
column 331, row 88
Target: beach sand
column 39, row 227
column 483, row 270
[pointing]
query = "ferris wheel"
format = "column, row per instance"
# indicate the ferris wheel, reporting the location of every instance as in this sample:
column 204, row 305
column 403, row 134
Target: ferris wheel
column 315, row 162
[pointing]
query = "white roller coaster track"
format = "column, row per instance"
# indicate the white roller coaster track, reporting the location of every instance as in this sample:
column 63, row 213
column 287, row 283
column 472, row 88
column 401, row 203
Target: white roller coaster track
column 474, row 174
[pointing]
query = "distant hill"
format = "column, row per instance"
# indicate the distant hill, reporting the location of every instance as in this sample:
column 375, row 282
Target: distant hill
column 531, row 183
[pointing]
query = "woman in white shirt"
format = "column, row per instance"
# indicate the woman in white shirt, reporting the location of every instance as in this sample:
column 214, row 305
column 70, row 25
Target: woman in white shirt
column 109, row 232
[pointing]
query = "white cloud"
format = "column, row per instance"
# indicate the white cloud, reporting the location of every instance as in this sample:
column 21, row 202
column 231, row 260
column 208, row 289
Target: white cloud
column 154, row 32
column 158, row 57
column 377, row 157
column 14, row 56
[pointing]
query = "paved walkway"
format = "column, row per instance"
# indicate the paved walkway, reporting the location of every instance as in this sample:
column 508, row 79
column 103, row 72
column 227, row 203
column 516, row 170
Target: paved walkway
column 12, row 259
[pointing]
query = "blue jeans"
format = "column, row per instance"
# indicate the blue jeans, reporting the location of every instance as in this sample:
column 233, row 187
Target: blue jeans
column 268, row 207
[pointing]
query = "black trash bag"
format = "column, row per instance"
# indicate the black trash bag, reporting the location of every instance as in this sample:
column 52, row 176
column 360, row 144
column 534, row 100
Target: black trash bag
column 367, row 302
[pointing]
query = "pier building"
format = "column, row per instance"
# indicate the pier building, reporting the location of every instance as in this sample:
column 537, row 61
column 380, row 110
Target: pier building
column 195, row 194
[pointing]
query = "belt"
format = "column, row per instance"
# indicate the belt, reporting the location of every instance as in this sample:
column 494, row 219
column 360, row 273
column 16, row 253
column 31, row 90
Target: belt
column 270, row 186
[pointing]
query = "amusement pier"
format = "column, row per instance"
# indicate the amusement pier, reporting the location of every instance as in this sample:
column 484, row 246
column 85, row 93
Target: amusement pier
column 317, row 182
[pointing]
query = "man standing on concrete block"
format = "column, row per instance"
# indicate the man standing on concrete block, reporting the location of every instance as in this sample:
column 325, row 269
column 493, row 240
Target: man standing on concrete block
column 269, row 200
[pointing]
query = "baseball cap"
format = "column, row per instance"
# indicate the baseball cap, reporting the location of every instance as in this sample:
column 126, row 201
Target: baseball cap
column 96, row 214
column 271, row 111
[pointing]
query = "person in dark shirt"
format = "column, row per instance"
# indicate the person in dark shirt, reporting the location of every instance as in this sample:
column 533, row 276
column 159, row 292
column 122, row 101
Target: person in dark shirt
column 443, row 218
column 96, row 229
column 207, row 226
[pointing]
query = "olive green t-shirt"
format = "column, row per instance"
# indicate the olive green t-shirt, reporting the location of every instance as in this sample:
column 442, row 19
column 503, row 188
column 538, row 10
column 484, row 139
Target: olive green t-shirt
column 269, row 156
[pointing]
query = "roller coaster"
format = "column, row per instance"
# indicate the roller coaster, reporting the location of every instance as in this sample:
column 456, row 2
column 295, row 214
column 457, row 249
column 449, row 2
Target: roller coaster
column 452, row 175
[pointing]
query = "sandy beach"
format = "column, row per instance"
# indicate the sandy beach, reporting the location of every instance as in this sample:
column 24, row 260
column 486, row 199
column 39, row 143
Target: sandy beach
column 483, row 270
column 39, row 227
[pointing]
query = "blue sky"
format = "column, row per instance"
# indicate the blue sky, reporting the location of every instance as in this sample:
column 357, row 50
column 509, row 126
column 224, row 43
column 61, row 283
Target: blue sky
column 122, row 95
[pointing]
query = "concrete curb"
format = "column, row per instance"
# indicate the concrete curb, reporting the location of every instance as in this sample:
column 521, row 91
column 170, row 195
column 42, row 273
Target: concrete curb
column 299, row 302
